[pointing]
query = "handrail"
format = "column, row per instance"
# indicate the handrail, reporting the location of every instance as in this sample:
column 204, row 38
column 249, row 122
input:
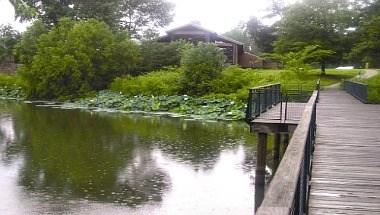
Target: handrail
column 288, row 192
column 262, row 98
column 356, row 89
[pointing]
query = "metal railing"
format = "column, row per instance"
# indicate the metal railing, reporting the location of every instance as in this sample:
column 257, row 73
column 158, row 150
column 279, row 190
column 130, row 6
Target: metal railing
column 264, row 98
column 260, row 99
column 356, row 89
column 288, row 192
column 298, row 92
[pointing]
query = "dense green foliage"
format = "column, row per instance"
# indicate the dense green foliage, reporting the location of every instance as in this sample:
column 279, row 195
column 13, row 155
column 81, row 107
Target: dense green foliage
column 367, row 48
column 322, row 23
column 302, row 60
column 201, row 64
column 156, row 55
column 233, row 83
column 145, row 14
column 27, row 47
column 262, row 35
column 77, row 57
column 130, row 15
column 8, row 39
column 164, row 82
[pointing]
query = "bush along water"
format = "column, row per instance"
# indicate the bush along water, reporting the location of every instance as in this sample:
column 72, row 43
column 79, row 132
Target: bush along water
column 186, row 106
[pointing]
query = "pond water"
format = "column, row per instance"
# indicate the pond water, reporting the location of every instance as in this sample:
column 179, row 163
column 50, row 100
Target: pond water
column 55, row 161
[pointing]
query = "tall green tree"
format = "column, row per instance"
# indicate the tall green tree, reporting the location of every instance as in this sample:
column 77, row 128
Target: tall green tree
column 367, row 47
column 50, row 11
column 315, row 22
column 301, row 60
column 139, row 16
column 262, row 35
column 156, row 55
column 26, row 48
column 136, row 16
column 240, row 34
column 8, row 39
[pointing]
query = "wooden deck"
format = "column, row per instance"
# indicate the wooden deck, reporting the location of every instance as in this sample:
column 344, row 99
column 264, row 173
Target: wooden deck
column 273, row 115
column 346, row 166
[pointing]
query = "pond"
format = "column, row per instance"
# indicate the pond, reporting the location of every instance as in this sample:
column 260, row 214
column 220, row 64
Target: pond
column 56, row 161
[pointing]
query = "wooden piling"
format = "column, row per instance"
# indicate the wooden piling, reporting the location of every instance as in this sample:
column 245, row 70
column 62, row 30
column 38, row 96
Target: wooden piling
column 260, row 169
column 276, row 151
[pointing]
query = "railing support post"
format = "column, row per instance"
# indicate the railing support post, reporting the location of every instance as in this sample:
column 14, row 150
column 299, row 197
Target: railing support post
column 276, row 151
column 260, row 169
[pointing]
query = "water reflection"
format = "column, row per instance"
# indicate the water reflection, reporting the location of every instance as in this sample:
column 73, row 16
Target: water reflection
column 75, row 162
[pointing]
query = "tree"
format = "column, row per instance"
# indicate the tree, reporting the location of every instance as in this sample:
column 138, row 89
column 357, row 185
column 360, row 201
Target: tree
column 314, row 22
column 262, row 35
column 367, row 47
column 132, row 15
column 27, row 47
column 240, row 34
column 77, row 57
column 8, row 39
column 50, row 11
column 140, row 15
column 276, row 8
column 202, row 64
column 156, row 55
column 301, row 60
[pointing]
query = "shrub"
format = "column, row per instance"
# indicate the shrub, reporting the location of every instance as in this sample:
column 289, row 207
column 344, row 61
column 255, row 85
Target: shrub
column 232, row 79
column 157, row 55
column 163, row 82
column 75, row 58
column 202, row 64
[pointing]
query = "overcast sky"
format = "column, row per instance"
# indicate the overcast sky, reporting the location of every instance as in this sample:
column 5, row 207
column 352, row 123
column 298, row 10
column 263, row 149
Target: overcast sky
column 216, row 15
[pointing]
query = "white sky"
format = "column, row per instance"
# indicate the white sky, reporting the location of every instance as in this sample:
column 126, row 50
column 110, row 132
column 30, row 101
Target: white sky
column 216, row 15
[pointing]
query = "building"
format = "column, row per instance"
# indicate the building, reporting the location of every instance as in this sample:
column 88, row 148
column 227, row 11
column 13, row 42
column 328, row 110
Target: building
column 234, row 50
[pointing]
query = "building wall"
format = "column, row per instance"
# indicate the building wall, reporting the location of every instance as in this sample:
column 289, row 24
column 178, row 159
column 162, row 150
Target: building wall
column 248, row 60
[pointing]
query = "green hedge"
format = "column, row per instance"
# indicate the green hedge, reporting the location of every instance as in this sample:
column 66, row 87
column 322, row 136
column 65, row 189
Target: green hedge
column 162, row 82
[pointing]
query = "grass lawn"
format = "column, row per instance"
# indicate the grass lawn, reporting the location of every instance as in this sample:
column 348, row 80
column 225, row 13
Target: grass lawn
column 332, row 76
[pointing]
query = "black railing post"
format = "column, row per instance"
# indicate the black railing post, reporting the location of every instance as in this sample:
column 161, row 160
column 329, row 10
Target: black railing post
column 286, row 106
column 248, row 114
column 257, row 102
column 280, row 107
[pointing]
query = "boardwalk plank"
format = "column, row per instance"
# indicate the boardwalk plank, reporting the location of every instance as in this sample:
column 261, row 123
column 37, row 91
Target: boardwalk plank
column 346, row 164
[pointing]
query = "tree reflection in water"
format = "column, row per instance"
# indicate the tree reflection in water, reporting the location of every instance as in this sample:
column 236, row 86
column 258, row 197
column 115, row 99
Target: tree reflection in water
column 72, row 154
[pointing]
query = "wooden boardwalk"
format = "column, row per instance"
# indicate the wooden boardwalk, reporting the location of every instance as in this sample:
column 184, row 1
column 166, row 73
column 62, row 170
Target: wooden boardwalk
column 346, row 166
column 273, row 115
